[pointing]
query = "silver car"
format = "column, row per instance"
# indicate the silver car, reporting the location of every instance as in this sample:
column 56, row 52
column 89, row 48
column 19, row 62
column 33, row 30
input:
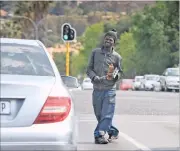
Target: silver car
column 151, row 82
column 87, row 84
column 137, row 82
column 37, row 111
column 170, row 79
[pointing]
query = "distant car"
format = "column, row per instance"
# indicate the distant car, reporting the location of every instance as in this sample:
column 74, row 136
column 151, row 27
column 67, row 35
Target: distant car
column 137, row 82
column 86, row 84
column 170, row 79
column 126, row 84
column 151, row 82
column 71, row 83
column 36, row 110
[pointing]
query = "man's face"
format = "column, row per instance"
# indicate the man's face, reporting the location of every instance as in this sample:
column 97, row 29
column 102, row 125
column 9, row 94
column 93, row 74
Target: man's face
column 108, row 41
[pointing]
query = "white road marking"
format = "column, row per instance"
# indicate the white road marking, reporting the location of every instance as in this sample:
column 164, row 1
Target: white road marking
column 144, row 98
column 172, row 122
column 134, row 142
column 134, row 119
column 125, row 136
column 93, row 120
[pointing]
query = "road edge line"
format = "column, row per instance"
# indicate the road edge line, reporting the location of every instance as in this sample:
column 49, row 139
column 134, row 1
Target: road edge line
column 134, row 142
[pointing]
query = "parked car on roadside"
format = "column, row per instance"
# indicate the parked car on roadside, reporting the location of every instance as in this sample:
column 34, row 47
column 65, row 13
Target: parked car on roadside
column 86, row 84
column 170, row 79
column 137, row 82
column 36, row 110
column 126, row 84
column 151, row 82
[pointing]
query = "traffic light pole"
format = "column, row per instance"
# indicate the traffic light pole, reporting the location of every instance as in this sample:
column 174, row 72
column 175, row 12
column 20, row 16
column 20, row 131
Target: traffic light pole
column 68, row 34
column 67, row 58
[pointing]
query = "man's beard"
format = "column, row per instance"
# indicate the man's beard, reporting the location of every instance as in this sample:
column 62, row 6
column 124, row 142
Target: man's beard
column 108, row 47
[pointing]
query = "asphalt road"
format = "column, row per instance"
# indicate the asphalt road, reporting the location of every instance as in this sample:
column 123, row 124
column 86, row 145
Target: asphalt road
column 146, row 120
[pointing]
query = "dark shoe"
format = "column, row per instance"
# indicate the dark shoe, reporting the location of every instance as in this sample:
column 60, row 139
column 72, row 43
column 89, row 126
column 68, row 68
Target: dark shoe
column 112, row 137
column 101, row 140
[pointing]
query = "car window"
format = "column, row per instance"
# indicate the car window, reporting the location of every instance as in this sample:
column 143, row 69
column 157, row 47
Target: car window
column 153, row 78
column 24, row 60
column 173, row 72
column 138, row 79
column 70, row 81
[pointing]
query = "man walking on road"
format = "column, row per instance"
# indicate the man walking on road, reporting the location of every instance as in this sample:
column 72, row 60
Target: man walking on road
column 101, row 69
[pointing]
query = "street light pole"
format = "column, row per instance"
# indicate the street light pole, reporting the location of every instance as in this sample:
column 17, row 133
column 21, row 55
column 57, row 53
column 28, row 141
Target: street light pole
column 33, row 23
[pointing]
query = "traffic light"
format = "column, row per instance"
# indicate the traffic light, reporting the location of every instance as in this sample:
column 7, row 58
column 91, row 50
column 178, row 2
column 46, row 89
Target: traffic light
column 68, row 33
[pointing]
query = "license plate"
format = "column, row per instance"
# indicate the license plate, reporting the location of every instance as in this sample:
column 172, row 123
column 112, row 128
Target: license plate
column 5, row 107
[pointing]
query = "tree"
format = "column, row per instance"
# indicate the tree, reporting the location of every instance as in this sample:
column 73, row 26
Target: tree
column 10, row 29
column 155, row 37
column 92, row 36
column 35, row 10
column 109, row 26
column 60, row 60
column 124, row 25
column 173, row 30
column 77, row 65
column 90, row 40
column 126, row 47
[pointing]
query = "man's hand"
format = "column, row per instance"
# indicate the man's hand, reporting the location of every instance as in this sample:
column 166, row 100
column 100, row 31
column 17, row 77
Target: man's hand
column 98, row 79
column 109, row 75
